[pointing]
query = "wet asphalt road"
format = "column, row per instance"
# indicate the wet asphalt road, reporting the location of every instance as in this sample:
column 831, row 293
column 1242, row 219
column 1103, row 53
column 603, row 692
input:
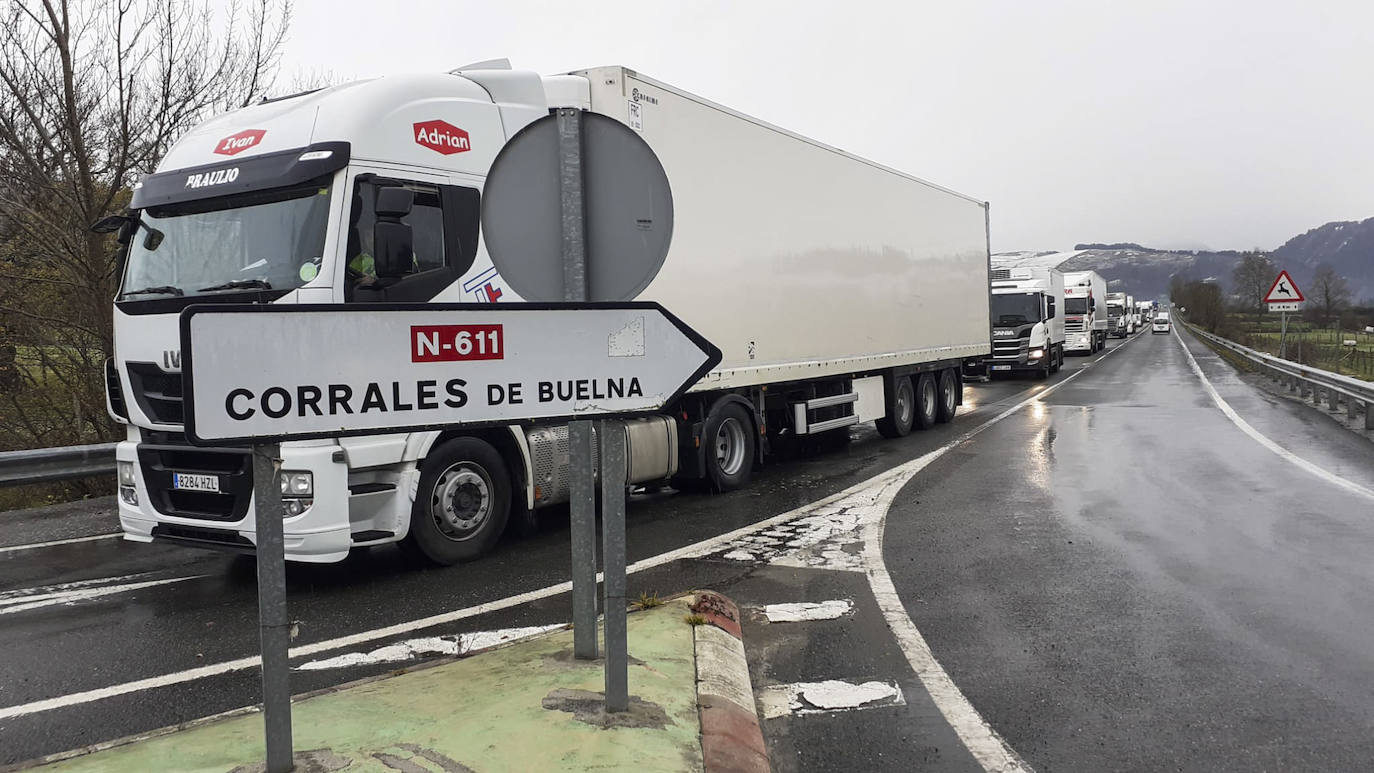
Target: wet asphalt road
column 1119, row 579
column 1116, row 577
column 208, row 616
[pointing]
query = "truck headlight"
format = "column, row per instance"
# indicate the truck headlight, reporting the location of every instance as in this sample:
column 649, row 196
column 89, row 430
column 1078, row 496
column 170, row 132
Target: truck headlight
column 1036, row 354
column 128, row 493
column 297, row 492
column 296, row 483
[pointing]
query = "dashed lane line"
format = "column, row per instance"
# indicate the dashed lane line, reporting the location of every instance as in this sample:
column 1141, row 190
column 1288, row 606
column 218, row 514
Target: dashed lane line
column 53, row 543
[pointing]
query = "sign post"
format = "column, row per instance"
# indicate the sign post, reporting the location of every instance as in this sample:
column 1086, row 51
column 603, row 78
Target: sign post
column 581, row 470
column 274, row 638
column 1283, row 297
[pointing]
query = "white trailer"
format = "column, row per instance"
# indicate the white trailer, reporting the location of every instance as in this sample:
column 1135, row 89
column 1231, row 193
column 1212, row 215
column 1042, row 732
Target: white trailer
column 839, row 290
column 1085, row 311
column 1027, row 321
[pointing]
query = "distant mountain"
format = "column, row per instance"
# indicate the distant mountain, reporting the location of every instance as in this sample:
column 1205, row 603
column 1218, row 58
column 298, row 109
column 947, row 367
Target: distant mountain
column 1145, row 271
column 1347, row 246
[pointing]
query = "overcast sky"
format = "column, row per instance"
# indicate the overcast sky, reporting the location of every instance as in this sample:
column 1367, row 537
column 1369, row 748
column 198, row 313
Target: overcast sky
column 1225, row 124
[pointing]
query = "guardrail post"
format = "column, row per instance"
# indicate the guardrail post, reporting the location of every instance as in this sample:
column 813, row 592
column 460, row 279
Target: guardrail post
column 1369, row 414
column 1351, row 408
column 1333, row 399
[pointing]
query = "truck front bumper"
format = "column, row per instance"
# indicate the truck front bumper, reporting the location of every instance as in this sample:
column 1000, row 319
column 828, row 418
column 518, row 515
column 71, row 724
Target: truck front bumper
column 1079, row 342
column 321, row 534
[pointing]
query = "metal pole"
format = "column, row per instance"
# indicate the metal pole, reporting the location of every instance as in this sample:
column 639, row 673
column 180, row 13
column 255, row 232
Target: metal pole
column 581, row 471
column 613, row 465
column 276, row 686
column 1283, row 333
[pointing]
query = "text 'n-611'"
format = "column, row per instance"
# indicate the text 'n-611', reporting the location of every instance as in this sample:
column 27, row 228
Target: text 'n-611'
column 456, row 343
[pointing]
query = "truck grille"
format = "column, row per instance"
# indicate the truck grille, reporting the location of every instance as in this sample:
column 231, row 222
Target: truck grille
column 1074, row 326
column 234, row 468
column 1010, row 350
column 158, row 393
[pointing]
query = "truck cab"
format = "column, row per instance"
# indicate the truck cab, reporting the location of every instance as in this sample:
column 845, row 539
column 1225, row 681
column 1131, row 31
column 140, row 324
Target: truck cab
column 1027, row 323
column 1085, row 312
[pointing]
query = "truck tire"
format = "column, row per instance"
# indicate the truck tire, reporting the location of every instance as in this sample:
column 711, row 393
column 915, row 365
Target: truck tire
column 728, row 437
column 1056, row 359
column 949, row 397
column 462, row 504
column 903, row 410
column 927, row 401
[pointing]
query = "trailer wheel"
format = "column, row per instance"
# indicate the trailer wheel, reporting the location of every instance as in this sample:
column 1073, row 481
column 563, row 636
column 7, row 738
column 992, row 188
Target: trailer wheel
column 949, row 397
column 927, row 401
column 728, row 437
column 1056, row 359
column 903, row 410
column 462, row 504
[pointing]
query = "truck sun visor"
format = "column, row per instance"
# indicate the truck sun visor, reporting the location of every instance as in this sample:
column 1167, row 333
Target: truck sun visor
column 270, row 170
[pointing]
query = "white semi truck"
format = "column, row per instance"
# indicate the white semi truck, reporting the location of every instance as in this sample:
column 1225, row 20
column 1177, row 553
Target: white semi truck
column 839, row 291
column 1027, row 321
column 1123, row 317
column 1085, row 311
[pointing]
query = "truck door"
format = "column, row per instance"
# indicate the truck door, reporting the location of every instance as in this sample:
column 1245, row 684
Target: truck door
column 444, row 222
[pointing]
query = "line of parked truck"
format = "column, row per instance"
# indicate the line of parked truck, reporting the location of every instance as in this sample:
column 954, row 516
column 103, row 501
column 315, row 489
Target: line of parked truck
column 1040, row 313
column 839, row 290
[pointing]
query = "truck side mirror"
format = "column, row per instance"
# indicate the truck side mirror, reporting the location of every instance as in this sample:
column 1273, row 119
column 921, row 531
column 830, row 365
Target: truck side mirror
column 1050, row 313
column 392, row 239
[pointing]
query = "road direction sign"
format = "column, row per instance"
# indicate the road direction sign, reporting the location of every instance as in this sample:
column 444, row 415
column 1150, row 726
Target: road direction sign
column 256, row 373
column 1284, row 290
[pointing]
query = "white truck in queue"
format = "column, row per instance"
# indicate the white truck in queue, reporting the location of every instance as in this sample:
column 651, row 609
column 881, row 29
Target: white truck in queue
column 1027, row 321
column 1085, row 311
column 1120, row 315
column 839, row 291
column 1146, row 309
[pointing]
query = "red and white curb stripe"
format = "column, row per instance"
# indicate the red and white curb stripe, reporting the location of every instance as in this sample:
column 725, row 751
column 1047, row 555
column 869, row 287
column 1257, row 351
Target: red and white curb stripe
column 731, row 740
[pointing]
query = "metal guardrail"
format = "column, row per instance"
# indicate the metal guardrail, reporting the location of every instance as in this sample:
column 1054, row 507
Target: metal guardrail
column 45, row 465
column 1306, row 381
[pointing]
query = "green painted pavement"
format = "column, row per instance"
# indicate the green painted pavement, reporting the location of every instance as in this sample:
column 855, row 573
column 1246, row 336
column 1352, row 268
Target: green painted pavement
column 482, row 713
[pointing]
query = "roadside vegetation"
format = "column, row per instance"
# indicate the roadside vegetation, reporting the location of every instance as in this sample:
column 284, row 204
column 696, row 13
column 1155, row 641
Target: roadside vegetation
column 92, row 93
column 1332, row 332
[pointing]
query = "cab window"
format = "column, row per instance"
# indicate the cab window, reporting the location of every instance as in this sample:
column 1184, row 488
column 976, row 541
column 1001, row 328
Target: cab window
column 443, row 220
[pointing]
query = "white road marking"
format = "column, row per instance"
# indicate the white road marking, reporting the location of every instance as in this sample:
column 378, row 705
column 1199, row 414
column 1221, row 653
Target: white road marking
column 808, row 610
column 458, row 645
column 72, row 541
column 780, row 700
column 1262, row 439
column 23, row 604
column 695, row 550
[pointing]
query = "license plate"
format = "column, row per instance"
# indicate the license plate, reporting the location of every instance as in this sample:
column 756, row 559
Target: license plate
column 1001, row 367
column 187, row 482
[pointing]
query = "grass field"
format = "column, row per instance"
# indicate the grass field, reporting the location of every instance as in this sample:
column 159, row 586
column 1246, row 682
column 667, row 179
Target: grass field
column 1309, row 344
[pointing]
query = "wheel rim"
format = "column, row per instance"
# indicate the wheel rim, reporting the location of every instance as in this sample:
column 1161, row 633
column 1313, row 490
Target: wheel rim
column 460, row 502
column 730, row 446
column 949, row 397
column 928, row 399
column 904, row 405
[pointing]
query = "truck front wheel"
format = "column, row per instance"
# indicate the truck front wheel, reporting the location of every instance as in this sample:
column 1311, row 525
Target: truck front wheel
column 462, row 504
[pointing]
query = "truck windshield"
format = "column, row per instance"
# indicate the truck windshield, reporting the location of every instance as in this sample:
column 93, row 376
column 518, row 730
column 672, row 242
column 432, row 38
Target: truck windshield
column 1016, row 309
column 265, row 240
column 1075, row 305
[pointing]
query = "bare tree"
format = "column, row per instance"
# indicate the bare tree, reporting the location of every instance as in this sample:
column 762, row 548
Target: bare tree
column 92, row 93
column 1330, row 291
column 1253, row 276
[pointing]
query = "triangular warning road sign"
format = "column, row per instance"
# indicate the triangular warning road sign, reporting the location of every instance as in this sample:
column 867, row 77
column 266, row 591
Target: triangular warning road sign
column 1284, row 290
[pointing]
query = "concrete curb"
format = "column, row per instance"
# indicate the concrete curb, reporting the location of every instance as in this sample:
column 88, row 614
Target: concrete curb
column 731, row 739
